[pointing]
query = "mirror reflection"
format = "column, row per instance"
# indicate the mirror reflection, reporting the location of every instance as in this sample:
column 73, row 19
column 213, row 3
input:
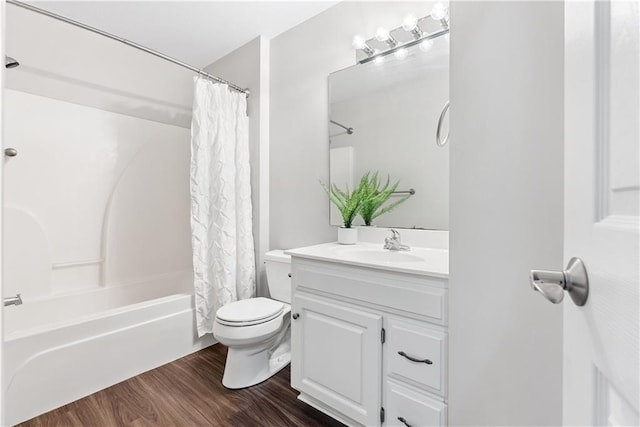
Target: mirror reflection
column 383, row 117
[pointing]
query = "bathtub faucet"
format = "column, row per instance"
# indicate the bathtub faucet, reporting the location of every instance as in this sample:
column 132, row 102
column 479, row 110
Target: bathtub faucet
column 13, row 300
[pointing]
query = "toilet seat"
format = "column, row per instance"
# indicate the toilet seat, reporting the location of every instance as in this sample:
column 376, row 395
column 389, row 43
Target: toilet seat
column 253, row 311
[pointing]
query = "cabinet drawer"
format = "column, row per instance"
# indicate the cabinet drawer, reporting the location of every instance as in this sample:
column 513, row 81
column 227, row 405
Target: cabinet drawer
column 413, row 294
column 405, row 407
column 417, row 354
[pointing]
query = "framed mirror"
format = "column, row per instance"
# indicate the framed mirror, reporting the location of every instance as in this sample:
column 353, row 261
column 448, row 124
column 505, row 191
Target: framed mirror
column 382, row 118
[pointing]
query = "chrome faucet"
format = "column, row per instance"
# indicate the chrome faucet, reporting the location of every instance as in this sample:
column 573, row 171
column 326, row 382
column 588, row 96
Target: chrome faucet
column 394, row 243
column 13, row 300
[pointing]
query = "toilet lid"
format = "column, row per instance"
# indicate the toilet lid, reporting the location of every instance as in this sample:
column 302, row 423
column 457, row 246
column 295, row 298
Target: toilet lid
column 250, row 311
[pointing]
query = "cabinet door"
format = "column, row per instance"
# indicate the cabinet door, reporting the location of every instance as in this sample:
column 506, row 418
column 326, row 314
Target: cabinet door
column 336, row 356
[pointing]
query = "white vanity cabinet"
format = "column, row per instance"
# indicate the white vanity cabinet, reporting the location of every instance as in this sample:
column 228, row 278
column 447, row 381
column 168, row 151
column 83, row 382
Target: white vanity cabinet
column 369, row 346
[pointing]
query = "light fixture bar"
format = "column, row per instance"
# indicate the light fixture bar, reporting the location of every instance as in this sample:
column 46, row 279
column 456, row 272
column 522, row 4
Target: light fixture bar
column 416, row 32
column 410, row 43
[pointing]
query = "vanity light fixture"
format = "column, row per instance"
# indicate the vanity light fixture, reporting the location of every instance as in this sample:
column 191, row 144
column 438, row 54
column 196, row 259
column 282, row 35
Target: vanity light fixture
column 397, row 40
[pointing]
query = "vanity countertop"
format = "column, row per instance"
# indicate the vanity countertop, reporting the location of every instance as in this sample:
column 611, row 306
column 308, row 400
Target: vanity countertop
column 422, row 261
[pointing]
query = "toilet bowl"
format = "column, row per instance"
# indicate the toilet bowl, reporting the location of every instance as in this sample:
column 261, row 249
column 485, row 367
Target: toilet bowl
column 257, row 330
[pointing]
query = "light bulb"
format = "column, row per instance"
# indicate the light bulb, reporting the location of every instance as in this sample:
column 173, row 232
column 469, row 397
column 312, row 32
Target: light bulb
column 401, row 53
column 359, row 43
column 410, row 22
column 410, row 25
column 379, row 60
column 439, row 11
column 426, row 45
column 382, row 34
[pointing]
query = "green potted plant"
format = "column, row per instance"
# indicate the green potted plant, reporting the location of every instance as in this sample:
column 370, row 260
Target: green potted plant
column 348, row 203
column 374, row 195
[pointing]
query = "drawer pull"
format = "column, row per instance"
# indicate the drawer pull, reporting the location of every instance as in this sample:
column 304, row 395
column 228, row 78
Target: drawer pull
column 413, row 359
column 403, row 421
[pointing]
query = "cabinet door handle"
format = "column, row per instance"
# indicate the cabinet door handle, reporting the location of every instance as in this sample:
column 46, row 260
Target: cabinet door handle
column 413, row 359
column 295, row 316
column 403, row 421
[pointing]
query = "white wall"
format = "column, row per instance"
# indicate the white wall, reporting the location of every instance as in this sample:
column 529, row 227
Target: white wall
column 505, row 348
column 301, row 60
column 248, row 66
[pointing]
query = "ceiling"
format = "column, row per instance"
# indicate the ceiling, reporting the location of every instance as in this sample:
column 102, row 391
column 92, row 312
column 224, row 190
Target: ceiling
column 196, row 32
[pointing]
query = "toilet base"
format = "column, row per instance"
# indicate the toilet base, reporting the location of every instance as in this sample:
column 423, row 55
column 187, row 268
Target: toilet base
column 249, row 366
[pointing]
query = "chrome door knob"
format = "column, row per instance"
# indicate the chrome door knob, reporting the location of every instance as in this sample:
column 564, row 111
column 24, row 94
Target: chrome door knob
column 552, row 284
column 10, row 152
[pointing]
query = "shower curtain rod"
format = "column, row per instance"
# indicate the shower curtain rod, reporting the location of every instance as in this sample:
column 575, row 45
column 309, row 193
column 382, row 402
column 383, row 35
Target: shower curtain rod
column 128, row 43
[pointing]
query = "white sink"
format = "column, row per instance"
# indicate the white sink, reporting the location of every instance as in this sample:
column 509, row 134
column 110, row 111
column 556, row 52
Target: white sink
column 380, row 256
column 417, row 260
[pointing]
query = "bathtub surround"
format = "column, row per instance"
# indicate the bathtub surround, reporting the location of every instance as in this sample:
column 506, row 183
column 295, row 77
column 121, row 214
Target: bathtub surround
column 98, row 232
column 111, row 136
column 221, row 224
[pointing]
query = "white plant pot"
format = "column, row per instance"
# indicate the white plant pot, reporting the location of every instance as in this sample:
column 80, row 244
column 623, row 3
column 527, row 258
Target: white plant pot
column 347, row 236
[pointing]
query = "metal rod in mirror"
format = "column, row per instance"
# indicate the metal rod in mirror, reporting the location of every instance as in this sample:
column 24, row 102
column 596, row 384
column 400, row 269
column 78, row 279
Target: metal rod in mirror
column 410, row 191
column 348, row 129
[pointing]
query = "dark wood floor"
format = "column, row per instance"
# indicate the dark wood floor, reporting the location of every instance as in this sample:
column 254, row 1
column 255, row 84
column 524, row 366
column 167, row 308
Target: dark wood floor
column 189, row 392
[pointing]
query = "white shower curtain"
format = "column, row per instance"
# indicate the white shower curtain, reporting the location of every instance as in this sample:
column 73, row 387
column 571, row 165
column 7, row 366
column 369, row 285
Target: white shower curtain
column 222, row 237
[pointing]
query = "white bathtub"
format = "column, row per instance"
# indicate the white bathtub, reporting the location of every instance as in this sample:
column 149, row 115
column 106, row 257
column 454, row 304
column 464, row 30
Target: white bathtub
column 92, row 340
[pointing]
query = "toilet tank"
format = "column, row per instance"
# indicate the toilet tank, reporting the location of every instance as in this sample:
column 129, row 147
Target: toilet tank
column 278, row 266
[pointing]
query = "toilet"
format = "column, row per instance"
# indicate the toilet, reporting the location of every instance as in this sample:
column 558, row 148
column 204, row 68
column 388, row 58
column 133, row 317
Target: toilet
column 257, row 330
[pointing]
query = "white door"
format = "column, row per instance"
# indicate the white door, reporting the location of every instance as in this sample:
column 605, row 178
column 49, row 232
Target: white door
column 338, row 358
column 602, row 195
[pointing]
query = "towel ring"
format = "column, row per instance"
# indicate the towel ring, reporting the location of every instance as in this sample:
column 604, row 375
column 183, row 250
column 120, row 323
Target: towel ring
column 439, row 141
